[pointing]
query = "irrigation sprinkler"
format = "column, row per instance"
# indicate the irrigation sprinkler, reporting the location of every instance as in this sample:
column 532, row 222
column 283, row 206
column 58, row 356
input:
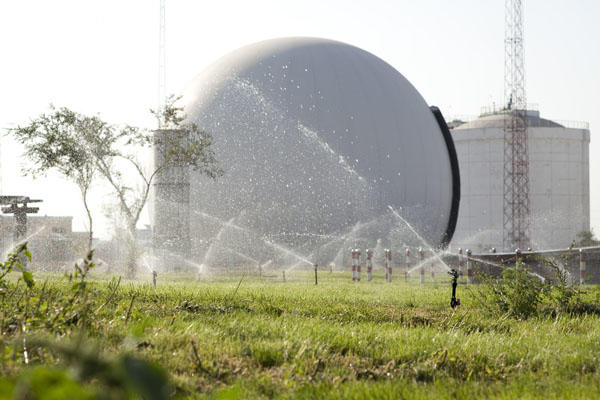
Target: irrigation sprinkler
column 388, row 265
column 154, row 275
column 460, row 262
column 283, row 273
column 407, row 261
column 432, row 270
column 454, row 302
column 422, row 271
column 581, row 267
column 369, row 263
column 469, row 268
column 316, row 279
column 493, row 250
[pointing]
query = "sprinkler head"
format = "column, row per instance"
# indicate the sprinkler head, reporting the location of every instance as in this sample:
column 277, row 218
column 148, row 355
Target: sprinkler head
column 453, row 273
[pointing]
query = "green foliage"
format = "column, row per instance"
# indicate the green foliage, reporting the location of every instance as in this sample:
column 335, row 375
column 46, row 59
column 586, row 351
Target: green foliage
column 586, row 239
column 81, row 147
column 517, row 292
column 15, row 260
column 225, row 337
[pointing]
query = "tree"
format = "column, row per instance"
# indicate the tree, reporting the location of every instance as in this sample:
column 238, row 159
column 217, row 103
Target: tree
column 586, row 239
column 113, row 152
column 56, row 141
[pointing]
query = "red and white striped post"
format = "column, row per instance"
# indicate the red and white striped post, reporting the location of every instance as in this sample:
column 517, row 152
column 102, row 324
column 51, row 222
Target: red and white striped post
column 460, row 262
column 358, row 265
column 388, row 265
column 469, row 268
column 353, row 264
column 369, row 265
column 407, row 261
column 422, row 257
column 581, row 267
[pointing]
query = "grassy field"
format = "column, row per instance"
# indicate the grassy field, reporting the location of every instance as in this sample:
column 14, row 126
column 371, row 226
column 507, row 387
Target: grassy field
column 227, row 338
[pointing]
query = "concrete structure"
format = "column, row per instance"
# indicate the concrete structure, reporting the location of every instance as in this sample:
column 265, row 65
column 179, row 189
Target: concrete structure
column 317, row 138
column 558, row 175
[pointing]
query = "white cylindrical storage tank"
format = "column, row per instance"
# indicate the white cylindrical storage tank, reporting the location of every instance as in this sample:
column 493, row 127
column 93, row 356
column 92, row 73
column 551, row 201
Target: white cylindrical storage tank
column 558, row 181
column 324, row 147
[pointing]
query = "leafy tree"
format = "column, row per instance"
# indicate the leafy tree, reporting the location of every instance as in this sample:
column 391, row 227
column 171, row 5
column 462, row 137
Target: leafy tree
column 56, row 141
column 586, row 239
column 113, row 152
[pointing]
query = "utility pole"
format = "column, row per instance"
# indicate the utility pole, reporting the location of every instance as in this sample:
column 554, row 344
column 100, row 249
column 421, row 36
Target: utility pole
column 516, row 155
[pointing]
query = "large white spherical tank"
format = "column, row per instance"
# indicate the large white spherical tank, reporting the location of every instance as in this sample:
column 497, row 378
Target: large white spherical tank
column 324, row 146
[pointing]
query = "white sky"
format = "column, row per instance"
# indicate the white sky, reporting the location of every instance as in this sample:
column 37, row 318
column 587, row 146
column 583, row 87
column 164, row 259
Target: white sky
column 102, row 57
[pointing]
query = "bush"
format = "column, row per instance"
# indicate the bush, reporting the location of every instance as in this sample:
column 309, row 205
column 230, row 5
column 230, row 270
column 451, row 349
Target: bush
column 517, row 293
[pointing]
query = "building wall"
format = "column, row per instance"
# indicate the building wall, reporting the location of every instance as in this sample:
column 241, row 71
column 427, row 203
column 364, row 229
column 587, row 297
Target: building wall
column 50, row 240
column 559, row 186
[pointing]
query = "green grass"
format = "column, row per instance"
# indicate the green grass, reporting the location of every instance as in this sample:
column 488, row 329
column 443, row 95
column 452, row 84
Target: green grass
column 339, row 340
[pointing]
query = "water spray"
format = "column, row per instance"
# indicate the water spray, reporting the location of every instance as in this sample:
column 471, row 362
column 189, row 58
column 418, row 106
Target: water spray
column 388, row 265
column 469, row 268
column 422, row 257
column 454, row 302
column 581, row 267
column 369, row 264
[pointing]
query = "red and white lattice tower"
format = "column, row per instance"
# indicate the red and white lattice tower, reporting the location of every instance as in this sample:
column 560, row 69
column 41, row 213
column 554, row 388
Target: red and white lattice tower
column 516, row 154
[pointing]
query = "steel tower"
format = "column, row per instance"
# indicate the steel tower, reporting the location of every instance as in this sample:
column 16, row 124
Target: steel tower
column 516, row 155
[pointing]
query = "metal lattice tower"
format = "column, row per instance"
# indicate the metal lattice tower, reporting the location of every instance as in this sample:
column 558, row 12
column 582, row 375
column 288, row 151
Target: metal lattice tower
column 162, row 73
column 516, row 155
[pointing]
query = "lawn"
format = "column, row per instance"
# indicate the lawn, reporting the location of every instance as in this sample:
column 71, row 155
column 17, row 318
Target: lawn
column 246, row 337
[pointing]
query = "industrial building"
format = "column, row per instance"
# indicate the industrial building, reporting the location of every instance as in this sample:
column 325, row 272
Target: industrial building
column 559, row 191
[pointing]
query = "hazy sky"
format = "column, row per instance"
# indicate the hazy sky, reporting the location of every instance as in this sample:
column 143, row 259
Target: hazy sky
column 102, row 57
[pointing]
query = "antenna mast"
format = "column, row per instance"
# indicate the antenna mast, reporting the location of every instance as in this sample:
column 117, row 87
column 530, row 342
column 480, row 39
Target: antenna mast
column 516, row 155
column 162, row 76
